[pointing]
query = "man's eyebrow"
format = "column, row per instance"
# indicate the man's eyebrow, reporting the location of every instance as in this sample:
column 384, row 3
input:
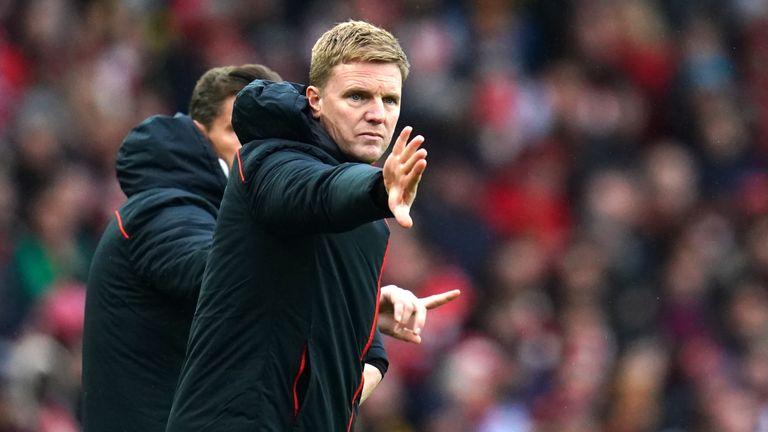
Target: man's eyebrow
column 354, row 86
column 356, row 89
column 352, row 89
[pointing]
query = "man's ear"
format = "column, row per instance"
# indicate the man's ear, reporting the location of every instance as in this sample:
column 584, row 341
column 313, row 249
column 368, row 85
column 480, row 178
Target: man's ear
column 201, row 127
column 313, row 97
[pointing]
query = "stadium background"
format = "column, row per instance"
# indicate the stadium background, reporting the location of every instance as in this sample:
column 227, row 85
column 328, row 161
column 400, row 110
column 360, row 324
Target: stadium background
column 597, row 187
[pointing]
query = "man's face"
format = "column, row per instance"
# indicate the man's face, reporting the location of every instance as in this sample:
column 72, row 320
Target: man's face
column 359, row 106
column 221, row 134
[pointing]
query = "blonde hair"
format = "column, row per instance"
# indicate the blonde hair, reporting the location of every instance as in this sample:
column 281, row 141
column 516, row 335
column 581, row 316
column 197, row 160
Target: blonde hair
column 354, row 41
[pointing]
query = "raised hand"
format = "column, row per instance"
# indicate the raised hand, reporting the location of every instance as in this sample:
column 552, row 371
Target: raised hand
column 402, row 315
column 402, row 172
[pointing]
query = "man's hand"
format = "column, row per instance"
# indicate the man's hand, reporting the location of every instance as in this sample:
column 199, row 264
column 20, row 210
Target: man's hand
column 402, row 315
column 402, row 172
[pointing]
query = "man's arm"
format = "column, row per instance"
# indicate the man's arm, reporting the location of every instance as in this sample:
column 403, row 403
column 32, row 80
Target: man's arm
column 171, row 249
column 376, row 365
column 290, row 188
column 372, row 376
column 293, row 190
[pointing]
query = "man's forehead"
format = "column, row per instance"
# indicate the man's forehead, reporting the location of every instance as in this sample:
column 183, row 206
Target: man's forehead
column 367, row 74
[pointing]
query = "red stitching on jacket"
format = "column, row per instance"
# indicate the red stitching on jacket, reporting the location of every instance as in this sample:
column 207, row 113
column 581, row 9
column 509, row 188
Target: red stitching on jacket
column 240, row 166
column 354, row 398
column 376, row 312
column 120, row 224
column 370, row 336
column 302, row 364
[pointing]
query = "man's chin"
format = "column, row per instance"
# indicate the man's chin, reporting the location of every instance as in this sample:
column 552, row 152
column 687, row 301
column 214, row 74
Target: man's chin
column 367, row 154
column 368, row 159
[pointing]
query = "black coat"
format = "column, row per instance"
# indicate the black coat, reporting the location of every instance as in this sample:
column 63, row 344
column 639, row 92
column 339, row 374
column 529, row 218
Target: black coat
column 289, row 301
column 146, row 274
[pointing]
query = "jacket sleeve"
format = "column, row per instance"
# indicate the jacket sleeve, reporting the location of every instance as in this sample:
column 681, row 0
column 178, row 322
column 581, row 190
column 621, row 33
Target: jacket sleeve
column 171, row 249
column 377, row 355
column 292, row 190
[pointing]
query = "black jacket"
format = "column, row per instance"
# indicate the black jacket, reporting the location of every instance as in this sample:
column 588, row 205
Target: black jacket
column 289, row 300
column 146, row 274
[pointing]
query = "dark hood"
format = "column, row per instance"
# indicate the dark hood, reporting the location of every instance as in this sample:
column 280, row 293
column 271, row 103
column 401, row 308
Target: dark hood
column 170, row 152
column 279, row 110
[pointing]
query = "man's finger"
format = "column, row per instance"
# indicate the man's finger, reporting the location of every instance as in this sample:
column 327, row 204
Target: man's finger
column 401, row 140
column 419, row 318
column 403, row 216
column 438, row 300
column 411, row 147
column 386, row 304
column 410, row 163
column 398, row 312
column 413, row 178
column 408, row 308
column 413, row 338
column 407, row 336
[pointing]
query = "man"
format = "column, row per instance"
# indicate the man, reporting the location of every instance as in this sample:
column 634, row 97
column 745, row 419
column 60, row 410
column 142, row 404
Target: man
column 290, row 298
column 147, row 270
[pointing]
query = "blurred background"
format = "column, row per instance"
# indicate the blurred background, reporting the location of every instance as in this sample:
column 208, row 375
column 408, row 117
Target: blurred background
column 597, row 187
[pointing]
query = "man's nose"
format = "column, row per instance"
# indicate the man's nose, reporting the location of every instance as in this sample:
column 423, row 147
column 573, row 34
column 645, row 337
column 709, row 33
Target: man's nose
column 375, row 111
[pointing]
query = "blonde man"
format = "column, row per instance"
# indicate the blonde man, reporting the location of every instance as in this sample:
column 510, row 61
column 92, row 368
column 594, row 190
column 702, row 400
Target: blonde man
column 291, row 295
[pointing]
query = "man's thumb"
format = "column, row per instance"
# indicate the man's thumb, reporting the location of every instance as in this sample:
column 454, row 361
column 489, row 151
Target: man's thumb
column 403, row 217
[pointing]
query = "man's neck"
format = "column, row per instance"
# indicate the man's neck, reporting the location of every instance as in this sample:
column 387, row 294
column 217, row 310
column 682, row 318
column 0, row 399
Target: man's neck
column 224, row 167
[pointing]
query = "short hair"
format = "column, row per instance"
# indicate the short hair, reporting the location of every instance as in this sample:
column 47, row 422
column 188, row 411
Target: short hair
column 354, row 41
column 218, row 84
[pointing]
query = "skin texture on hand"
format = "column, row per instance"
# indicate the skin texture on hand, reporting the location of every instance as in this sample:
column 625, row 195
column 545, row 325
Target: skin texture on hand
column 402, row 172
column 402, row 315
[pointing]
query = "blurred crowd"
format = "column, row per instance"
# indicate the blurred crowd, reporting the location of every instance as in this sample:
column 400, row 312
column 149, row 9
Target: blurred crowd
column 597, row 188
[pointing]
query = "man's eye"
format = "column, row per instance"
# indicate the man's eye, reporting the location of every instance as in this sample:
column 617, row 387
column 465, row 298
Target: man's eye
column 356, row 97
column 390, row 101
